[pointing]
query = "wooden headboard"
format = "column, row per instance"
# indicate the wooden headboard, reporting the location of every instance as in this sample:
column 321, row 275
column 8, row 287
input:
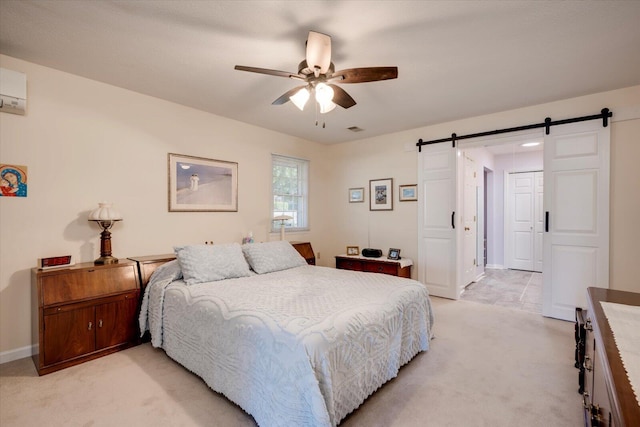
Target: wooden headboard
column 148, row 264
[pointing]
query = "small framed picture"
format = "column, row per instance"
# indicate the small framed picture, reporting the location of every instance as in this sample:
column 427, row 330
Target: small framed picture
column 381, row 194
column 408, row 193
column 356, row 195
column 353, row 250
column 394, row 253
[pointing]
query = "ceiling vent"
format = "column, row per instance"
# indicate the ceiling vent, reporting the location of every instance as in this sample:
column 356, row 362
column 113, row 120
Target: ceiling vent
column 355, row 129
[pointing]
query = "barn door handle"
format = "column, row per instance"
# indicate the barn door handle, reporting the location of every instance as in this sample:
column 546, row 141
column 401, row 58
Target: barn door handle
column 546, row 222
column 453, row 219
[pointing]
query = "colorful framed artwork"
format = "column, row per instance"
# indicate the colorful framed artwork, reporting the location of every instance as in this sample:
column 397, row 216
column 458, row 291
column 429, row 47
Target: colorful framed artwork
column 197, row 184
column 13, row 181
column 381, row 194
column 356, row 195
column 408, row 193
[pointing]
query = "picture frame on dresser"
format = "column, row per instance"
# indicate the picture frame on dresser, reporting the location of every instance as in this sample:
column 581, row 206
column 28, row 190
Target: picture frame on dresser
column 381, row 194
column 353, row 250
column 394, row 254
column 197, row 184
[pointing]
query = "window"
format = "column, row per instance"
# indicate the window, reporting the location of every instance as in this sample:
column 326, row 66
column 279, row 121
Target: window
column 290, row 191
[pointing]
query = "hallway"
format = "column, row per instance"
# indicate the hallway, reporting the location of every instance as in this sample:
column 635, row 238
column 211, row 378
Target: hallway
column 520, row 290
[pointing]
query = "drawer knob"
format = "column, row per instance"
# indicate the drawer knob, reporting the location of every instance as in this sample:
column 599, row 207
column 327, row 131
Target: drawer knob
column 588, row 326
column 90, row 326
column 100, row 323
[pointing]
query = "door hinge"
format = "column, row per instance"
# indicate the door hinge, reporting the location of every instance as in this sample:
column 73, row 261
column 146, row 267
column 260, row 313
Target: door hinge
column 474, row 262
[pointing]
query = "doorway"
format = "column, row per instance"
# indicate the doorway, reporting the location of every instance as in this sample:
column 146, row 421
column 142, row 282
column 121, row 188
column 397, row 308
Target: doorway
column 576, row 207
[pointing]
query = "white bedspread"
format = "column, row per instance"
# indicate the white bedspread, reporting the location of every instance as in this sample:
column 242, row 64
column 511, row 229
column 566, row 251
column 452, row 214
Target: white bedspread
column 299, row 347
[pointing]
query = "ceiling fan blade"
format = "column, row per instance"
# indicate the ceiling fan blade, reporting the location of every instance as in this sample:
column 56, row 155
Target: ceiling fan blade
column 319, row 51
column 269, row 72
column 341, row 97
column 285, row 96
column 367, row 74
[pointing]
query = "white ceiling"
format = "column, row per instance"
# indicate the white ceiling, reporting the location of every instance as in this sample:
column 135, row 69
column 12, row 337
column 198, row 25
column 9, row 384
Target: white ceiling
column 455, row 59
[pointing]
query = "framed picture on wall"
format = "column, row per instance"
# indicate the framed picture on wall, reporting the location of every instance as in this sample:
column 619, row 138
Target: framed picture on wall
column 197, row 184
column 408, row 193
column 356, row 195
column 13, row 180
column 381, row 194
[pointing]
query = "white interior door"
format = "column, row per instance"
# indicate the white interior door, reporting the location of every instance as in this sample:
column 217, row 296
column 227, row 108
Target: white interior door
column 538, row 224
column 469, row 216
column 436, row 220
column 526, row 225
column 521, row 218
column 576, row 202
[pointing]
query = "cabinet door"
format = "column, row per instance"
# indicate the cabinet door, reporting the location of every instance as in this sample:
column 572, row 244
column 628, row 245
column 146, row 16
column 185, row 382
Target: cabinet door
column 68, row 334
column 116, row 322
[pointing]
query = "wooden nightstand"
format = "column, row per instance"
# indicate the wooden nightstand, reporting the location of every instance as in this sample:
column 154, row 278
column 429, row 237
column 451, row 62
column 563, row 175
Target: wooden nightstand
column 83, row 312
column 305, row 249
column 401, row 268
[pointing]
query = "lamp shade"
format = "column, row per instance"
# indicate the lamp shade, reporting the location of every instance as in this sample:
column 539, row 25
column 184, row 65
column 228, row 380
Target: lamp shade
column 105, row 212
column 282, row 218
column 300, row 98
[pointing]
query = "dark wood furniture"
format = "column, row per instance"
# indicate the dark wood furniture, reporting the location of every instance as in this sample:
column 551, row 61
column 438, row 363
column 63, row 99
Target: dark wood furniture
column 305, row 249
column 608, row 397
column 580, row 333
column 373, row 265
column 148, row 264
column 83, row 312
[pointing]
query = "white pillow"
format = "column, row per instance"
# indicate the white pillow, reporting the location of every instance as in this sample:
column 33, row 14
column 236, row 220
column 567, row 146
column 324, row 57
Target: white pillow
column 208, row 263
column 268, row 257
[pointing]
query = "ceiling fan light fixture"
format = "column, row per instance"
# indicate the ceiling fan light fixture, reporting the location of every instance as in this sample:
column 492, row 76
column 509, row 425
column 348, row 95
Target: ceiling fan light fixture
column 326, row 107
column 300, row 98
column 324, row 93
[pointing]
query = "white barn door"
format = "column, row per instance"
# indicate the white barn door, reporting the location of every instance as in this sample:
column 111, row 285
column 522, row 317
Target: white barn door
column 437, row 213
column 576, row 205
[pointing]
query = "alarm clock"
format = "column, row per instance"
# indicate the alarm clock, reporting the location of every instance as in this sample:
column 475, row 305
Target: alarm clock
column 54, row 262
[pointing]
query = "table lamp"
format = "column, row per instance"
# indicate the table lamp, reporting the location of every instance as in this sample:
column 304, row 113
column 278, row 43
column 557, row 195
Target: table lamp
column 105, row 216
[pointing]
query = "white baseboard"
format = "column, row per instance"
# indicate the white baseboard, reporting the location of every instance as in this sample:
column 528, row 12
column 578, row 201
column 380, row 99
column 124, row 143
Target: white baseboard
column 495, row 266
column 18, row 353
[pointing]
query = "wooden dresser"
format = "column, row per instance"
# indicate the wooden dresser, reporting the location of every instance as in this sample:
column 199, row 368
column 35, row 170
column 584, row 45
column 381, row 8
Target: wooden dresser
column 401, row 268
column 608, row 398
column 83, row 312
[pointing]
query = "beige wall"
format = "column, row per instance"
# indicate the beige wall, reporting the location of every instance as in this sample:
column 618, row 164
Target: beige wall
column 356, row 162
column 85, row 141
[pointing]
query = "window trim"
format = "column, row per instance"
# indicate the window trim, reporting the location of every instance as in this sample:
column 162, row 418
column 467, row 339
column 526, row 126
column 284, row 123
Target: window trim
column 306, row 164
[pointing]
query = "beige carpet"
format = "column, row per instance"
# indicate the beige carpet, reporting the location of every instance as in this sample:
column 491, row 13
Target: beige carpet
column 488, row 366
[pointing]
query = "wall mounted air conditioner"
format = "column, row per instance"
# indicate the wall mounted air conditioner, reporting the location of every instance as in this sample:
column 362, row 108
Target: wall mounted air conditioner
column 13, row 91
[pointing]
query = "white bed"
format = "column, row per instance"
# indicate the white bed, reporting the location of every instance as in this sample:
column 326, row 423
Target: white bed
column 295, row 345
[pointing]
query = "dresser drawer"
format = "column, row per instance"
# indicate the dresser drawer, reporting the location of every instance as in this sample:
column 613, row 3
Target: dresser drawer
column 72, row 285
column 380, row 267
column 349, row 264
